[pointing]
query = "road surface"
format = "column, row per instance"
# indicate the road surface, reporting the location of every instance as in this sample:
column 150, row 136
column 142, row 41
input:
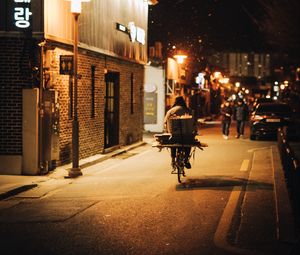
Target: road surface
column 132, row 204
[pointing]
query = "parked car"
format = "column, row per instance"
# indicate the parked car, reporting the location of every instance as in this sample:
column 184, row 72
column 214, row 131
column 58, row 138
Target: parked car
column 260, row 100
column 267, row 118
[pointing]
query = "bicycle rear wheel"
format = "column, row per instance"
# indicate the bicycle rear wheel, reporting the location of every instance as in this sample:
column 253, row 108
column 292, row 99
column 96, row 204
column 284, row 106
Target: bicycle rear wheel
column 180, row 165
column 180, row 172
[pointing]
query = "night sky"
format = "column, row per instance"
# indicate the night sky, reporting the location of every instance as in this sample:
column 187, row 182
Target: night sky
column 200, row 26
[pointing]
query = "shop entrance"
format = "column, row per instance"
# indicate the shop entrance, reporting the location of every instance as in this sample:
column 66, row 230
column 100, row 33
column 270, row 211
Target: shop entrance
column 111, row 110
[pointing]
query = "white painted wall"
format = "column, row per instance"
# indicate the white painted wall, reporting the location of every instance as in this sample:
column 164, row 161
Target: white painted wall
column 155, row 76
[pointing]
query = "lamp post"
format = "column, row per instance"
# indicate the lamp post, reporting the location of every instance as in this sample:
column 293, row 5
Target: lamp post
column 75, row 170
column 180, row 60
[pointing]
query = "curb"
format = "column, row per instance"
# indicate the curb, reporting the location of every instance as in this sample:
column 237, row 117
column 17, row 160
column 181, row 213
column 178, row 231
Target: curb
column 17, row 190
column 112, row 154
column 286, row 231
column 62, row 169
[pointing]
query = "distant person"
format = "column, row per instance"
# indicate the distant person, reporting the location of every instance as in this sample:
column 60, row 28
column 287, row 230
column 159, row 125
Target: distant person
column 240, row 114
column 178, row 109
column 226, row 114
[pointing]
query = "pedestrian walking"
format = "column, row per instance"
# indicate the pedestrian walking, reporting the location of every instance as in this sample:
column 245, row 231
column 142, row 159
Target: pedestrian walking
column 226, row 114
column 240, row 114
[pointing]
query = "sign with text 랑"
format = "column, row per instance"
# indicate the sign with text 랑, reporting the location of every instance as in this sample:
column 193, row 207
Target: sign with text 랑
column 66, row 64
column 21, row 15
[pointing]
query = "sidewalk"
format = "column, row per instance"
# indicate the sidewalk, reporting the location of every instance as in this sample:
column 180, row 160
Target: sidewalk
column 11, row 185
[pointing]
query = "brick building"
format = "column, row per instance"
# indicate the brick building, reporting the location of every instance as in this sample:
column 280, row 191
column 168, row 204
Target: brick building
column 112, row 54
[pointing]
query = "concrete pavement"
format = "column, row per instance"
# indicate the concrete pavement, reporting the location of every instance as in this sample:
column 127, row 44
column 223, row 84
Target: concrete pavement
column 11, row 185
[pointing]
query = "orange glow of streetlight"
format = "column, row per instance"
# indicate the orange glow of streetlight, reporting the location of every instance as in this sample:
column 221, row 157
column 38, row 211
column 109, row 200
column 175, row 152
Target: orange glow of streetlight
column 224, row 80
column 180, row 58
column 217, row 75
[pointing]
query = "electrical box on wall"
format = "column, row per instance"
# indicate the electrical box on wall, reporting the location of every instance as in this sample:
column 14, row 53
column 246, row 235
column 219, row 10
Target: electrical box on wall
column 30, row 164
column 50, row 129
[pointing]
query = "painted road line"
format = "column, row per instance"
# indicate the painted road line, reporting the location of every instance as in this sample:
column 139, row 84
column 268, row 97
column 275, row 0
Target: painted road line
column 245, row 165
column 258, row 148
column 225, row 223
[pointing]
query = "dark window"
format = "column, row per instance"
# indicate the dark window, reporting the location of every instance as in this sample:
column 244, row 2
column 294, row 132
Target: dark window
column 131, row 93
column 93, row 68
column 70, row 97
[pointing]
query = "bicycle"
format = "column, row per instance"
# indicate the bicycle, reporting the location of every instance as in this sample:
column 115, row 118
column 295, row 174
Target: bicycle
column 178, row 165
column 163, row 141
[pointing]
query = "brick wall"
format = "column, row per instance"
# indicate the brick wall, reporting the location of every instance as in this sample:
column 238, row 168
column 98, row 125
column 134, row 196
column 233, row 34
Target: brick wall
column 91, row 135
column 17, row 57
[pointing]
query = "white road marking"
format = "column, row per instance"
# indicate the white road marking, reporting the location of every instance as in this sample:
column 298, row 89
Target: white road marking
column 275, row 197
column 244, row 166
column 223, row 228
column 259, row 148
column 225, row 223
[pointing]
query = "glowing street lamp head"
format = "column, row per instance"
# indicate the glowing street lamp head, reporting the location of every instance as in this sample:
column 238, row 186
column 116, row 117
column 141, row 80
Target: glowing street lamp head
column 76, row 5
column 217, row 75
column 224, row 80
column 151, row 2
column 180, row 58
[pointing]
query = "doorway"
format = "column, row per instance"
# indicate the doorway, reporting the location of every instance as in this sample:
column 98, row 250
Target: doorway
column 111, row 109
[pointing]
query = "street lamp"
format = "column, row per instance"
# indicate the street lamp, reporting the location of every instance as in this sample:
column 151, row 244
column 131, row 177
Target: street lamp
column 75, row 170
column 180, row 58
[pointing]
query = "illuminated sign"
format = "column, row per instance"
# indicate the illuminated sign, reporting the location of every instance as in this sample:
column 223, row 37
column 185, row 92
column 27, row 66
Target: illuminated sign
column 135, row 33
column 22, row 13
column 140, row 35
column 122, row 28
column 132, row 31
column 200, row 80
column 22, row 16
column 66, row 64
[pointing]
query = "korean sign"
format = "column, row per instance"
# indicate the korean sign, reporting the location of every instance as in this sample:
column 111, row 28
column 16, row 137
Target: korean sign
column 22, row 13
column 135, row 33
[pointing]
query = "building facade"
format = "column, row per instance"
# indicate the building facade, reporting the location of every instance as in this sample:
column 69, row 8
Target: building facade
column 38, row 35
column 243, row 64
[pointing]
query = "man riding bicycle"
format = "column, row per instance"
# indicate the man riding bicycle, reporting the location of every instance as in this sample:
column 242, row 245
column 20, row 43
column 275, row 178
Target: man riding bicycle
column 180, row 109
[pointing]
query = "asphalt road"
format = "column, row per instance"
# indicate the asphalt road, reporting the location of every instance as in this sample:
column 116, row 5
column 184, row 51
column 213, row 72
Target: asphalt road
column 131, row 204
